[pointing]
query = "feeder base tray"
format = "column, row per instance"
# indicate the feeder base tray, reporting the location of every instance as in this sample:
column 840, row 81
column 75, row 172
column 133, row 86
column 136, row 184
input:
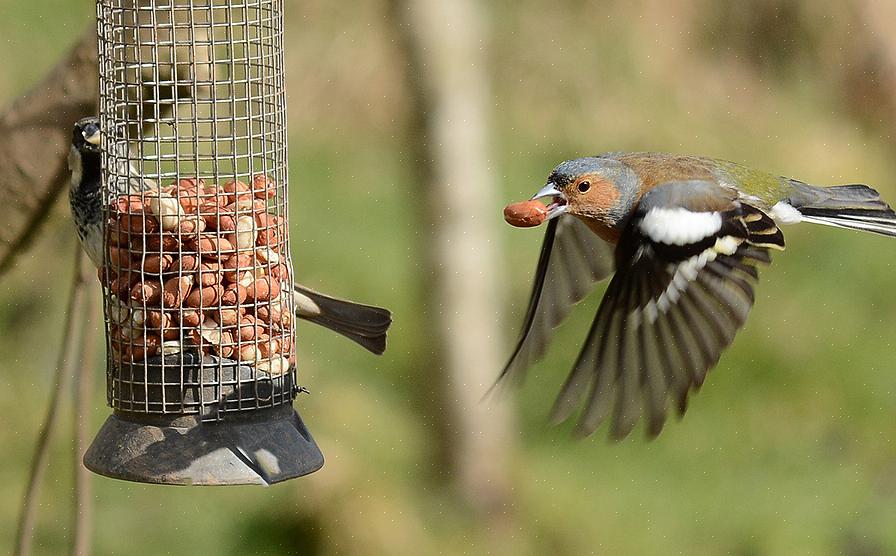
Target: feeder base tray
column 263, row 447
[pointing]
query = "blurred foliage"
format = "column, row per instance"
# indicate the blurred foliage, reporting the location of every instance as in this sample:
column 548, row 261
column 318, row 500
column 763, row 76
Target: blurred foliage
column 787, row 450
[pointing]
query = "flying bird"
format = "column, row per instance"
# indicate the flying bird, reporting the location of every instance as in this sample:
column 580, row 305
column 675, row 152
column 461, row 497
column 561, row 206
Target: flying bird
column 365, row 324
column 684, row 235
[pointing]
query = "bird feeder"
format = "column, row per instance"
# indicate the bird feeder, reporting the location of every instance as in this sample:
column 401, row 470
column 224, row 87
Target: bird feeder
column 197, row 274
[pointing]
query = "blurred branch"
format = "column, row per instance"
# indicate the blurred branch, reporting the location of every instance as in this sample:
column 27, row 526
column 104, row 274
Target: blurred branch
column 36, row 136
column 36, row 132
column 448, row 143
column 65, row 367
column 83, row 377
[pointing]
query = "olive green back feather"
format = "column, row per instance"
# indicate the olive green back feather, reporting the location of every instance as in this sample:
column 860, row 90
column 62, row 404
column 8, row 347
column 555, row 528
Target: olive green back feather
column 656, row 168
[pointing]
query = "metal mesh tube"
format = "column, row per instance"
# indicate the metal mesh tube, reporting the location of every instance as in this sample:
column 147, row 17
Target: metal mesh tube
column 197, row 268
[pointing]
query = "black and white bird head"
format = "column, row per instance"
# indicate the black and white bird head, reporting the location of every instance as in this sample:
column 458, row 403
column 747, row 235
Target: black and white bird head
column 86, row 135
column 84, row 155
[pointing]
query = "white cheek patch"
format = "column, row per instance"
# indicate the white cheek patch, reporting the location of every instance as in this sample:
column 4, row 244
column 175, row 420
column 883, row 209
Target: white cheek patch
column 74, row 164
column 679, row 226
column 784, row 213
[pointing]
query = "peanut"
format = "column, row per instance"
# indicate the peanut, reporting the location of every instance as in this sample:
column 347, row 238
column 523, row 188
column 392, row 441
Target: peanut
column 147, row 292
column 235, row 265
column 205, row 297
column 245, row 232
column 226, row 348
column 160, row 242
column 157, row 264
column 158, row 319
column 263, row 187
column 269, row 229
column 286, row 344
column 191, row 223
column 209, row 245
column 118, row 311
column 271, row 313
column 166, row 208
column 223, row 221
column 234, row 294
column 245, row 279
column 122, row 284
column 160, row 322
column 138, row 317
column 171, row 347
column 263, row 289
column 120, row 259
column 185, row 264
column 209, row 274
column 280, row 272
column 242, row 206
column 146, row 346
column 190, row 203
column 249, row 328
column 237, row 191
column 249, row 353
column 268, row 346
column 115, row 235
column 525, row 214
column 211, row 332
column 176, row 289
column 190, row 318
column 226, row 317
column 267, row 255
column 277, row 366
column 130, row 204
column 187, row 193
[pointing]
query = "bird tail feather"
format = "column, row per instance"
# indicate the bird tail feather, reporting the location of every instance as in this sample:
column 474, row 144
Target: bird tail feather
column 856, row 207
column 364, row 324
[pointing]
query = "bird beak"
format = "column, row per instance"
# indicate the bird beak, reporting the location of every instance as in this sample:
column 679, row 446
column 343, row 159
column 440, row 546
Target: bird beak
column 558, row 199
column 94, row 138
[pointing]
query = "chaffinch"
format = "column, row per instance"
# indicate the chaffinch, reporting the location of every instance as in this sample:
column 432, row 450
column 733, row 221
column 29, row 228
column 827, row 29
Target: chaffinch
column 685, row 236
column 365, row 324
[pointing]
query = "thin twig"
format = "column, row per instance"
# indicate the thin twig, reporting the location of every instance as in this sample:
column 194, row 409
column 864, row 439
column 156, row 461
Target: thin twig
column 84, row 380
column 64, row 367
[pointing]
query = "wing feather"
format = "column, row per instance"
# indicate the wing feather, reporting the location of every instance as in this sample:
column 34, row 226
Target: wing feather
column 666, row 317
column 572, row 260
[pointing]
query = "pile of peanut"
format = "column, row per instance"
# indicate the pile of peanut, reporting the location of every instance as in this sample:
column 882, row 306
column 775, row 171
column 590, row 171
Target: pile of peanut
column 198, row 266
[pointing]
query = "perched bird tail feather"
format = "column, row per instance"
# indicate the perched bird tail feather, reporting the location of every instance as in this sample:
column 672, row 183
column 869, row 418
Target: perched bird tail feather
column 856, row 207
column 365, row 324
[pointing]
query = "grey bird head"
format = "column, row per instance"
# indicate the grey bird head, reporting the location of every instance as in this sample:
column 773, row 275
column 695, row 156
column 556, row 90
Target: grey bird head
column 86, row 135
column 596, row 189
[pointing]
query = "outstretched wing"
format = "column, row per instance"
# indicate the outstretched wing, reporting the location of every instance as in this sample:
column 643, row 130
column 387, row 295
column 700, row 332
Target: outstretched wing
column 685, row 270
column 572, row 259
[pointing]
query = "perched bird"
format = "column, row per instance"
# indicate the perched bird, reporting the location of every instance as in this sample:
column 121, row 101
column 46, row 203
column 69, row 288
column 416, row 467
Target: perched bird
column 685, row 236
column 85, row 193
column 367, row 325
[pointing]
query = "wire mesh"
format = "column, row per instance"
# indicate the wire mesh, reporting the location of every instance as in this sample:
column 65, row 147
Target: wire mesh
column 197, row 268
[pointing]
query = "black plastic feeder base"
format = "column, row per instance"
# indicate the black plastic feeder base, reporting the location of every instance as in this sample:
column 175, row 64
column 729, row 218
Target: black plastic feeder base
column 264, row 447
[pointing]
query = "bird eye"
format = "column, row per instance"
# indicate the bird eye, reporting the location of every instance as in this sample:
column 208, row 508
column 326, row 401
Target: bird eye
column 584, row 186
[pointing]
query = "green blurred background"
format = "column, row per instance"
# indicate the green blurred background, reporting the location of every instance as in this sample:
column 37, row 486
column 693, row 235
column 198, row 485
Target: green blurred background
column 788, row 449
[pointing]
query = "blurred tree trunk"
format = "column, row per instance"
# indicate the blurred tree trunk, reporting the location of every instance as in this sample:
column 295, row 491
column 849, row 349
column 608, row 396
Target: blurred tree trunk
column 448, row 147
column 871, row 85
